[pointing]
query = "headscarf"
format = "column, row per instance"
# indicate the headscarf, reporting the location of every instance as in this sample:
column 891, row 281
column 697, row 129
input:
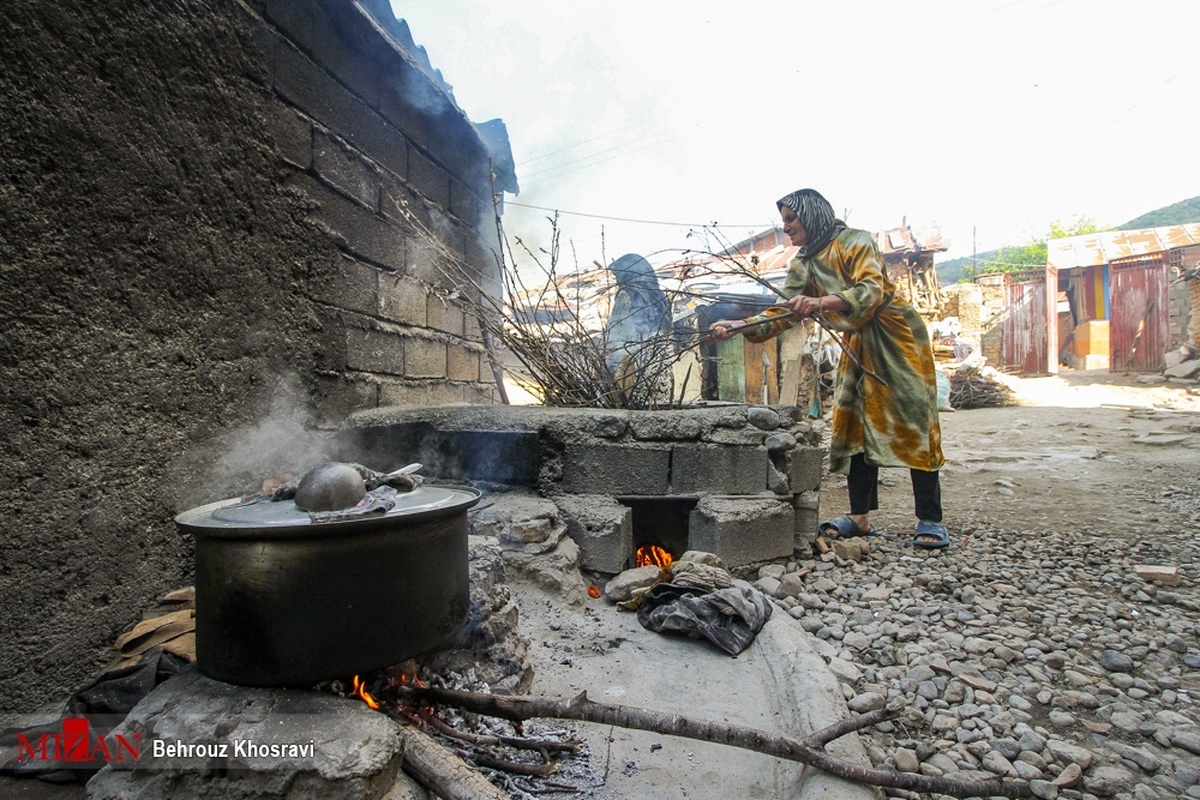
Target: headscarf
column 817, row 217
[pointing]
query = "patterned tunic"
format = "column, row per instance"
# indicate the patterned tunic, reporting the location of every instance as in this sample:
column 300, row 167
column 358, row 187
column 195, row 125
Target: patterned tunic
column 894, row 422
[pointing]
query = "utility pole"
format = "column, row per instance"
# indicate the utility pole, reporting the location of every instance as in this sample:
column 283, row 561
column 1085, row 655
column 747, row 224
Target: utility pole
column 974, row 256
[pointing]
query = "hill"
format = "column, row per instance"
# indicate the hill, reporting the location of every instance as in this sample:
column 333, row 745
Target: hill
column 1181, row 213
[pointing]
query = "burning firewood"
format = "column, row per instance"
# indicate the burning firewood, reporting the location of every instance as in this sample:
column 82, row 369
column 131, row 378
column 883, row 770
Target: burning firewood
column 809, row 750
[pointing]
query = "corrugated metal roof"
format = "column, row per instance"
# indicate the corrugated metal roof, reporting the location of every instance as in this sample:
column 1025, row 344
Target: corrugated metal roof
column 1096, row 249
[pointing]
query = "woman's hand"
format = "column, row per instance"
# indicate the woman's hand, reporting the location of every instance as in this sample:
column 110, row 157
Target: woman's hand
column 720, row 330
column 804, row 306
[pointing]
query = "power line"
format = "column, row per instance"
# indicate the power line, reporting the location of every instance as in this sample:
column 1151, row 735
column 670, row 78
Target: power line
column 560, row 169
column 638, row 221
column 593, row 139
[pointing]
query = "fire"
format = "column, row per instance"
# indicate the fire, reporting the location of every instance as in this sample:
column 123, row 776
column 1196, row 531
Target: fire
column 403, row 680
column 652, row 554
column 360, row 691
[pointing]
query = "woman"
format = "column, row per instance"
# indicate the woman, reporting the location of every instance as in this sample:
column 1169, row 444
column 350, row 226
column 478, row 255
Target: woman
column 885, row 395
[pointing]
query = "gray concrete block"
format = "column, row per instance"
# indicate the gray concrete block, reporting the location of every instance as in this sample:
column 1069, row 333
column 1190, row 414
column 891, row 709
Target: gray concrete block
column 345, row 168
column 672, row 426
column 742, row 530
column 429, row 179
column 424, row 357
column 347, row 284
column 615, row 469
column 292, row 134
column 805, row 466
column 462, row 363
column 376, row 350
column 445, row 315
column 468, row 207
column 354, row 227
column 402, row 299
column 603, row 529
column 703, row 468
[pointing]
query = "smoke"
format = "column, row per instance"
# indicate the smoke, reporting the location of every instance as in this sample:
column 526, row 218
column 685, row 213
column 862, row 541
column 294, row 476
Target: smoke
column 284, row 442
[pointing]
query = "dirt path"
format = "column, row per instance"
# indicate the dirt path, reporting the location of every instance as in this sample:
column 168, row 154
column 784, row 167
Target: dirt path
column 1087, row 449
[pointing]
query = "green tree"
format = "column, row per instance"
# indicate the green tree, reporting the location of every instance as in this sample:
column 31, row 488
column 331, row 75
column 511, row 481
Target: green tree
column 1019, row 258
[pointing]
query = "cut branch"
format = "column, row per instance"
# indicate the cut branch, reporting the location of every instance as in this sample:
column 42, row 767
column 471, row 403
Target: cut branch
column 808, row 750
column 443, row 772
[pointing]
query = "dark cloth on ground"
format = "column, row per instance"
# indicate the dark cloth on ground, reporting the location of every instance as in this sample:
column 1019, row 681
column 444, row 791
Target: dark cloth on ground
column 730, row 618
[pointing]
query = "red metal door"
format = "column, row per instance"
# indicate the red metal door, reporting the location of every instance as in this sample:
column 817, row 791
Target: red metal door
column 1139, row 319
column 1026, row 328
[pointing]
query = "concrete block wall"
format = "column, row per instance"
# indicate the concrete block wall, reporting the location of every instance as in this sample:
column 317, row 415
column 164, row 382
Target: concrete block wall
column 1182, row 310
column 752, row 473
column 1193, row 288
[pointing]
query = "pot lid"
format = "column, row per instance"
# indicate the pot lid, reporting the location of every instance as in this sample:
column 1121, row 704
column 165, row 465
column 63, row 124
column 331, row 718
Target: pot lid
column 277, row 516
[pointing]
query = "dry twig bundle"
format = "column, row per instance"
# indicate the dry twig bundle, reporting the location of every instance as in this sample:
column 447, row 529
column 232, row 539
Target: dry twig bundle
column 562, row 353
column 971, row 388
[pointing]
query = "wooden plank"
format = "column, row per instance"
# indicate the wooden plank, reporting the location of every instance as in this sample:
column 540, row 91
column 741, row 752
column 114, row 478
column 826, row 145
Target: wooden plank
column 789, row 389
column 731, row 373
column 762, row 371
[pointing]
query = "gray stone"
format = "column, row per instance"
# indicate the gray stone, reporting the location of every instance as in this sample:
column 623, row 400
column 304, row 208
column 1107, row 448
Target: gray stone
column 556, row 570
column 867, row 701
column 1184, row 369
column 622, row 586
column 905, row 760
column 763, row 418
column 1043, row 790
column 350, row 750
column 1107, row 780
column 1187, row 740
column 1068, row 753
column 1114, row 661
column 779, row 442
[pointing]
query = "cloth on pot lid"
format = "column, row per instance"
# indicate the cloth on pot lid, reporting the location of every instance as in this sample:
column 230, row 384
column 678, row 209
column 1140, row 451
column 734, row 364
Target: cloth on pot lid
column 730, row 618
column 376, row 501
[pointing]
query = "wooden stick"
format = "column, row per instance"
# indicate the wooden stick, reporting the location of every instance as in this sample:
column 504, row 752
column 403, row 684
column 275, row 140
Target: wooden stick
column 808, row 750
column 443, row 772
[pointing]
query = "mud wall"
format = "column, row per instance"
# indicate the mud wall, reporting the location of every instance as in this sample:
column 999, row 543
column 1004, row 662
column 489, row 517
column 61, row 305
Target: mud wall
column 203, row 265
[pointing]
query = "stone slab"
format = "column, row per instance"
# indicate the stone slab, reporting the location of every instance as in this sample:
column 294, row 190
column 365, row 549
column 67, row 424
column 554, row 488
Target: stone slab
column 347, row 750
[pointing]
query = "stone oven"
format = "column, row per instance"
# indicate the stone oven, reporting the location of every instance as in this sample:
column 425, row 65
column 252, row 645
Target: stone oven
column 737, row 480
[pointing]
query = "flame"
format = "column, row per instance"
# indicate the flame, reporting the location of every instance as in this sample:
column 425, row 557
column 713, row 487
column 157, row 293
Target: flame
column 404, row 680
column 360, row 691
column 652, row 555
column 593, row 591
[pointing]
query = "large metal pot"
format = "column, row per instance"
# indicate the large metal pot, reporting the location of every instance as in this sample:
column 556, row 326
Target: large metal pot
column 285, row 601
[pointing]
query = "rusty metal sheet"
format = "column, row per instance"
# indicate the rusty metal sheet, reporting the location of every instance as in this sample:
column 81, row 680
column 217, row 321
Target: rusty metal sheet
column 1096, row 249
column 1025, row 328
column 1139, row 330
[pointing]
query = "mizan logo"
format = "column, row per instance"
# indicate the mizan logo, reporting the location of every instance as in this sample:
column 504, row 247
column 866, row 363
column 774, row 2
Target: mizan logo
column 78, row 744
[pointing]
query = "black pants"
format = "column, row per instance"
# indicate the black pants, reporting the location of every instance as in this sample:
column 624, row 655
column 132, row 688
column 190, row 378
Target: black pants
column 863, row 483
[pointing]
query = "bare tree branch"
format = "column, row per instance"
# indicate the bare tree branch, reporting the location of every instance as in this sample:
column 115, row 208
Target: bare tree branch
column 808, row 750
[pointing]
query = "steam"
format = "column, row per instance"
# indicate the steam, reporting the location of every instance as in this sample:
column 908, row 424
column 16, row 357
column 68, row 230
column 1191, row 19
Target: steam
column 283, row 442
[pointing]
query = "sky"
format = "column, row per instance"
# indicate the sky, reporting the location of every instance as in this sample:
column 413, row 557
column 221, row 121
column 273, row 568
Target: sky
column 646, row 122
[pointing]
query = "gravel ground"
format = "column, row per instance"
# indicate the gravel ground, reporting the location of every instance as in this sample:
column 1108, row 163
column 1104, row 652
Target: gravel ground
column 1031, row 647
